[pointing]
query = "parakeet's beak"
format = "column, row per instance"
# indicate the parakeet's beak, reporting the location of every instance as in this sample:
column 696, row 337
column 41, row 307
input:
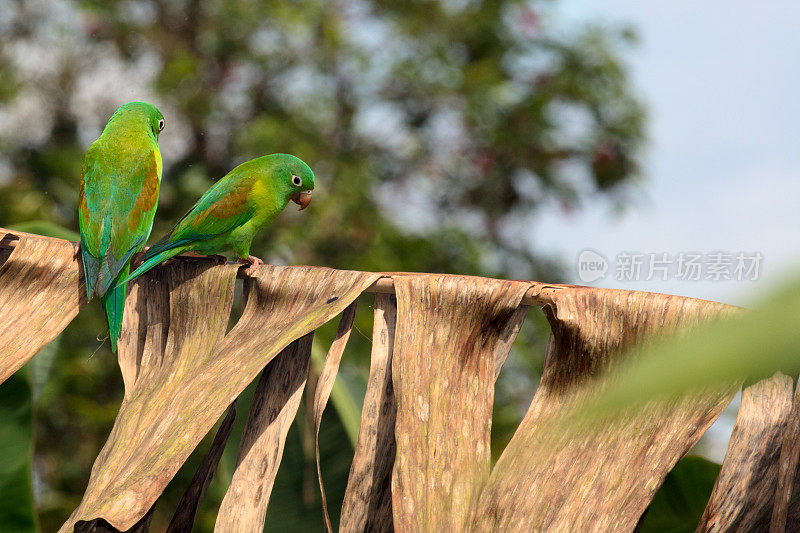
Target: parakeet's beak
column 302, row 198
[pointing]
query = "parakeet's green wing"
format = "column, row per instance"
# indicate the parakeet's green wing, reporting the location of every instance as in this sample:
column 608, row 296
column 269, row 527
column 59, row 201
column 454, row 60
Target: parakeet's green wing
column 223, row 208
column 119, row 194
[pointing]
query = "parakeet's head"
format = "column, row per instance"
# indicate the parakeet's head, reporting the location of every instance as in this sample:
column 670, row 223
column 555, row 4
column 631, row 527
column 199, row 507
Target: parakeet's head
column 139, row 114
column 293, row 178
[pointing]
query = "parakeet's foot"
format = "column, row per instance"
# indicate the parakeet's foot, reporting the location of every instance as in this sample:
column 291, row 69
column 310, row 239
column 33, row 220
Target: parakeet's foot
column 77, row 247
column 252, row 262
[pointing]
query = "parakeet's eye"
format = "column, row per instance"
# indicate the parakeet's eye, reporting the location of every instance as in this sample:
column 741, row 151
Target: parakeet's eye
column 160, row 124
column 296, row 181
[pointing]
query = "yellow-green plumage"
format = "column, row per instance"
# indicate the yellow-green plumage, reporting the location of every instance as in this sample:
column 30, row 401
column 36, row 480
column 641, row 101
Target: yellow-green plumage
column 234, row 209
column 117, row 203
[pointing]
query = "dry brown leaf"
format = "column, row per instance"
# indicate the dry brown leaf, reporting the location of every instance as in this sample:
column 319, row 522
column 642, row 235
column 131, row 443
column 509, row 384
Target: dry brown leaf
column 159, row 422
column 545, row 477
column 179, row 394
column 145, row 327
column 505, row 343
column 323, row 392
column 744, row 493
column 449, row 329
column 181, row 370
column 41, row 291
column 367, row 502
column 183, row 519
column 786, row 514
column 274, row 407
column 788, row 472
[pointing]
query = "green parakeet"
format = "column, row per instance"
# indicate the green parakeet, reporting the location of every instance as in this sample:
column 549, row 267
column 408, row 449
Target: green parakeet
column 117, row 202
column 234, row 209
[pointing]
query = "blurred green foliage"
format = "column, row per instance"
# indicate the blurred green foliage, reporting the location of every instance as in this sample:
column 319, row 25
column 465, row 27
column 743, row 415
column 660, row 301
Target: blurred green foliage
column 743, row 347
column 16, row 454
column 437, row 130
column 682, row 498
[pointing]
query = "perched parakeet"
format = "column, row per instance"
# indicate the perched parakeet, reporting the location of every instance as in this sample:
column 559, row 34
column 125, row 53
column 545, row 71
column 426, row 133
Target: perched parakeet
column 117, row 202
column 234, row 209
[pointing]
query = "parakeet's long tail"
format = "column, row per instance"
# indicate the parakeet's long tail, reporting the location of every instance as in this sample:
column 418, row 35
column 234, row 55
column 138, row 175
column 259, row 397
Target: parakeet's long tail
column 151, row 262
column 114, row 303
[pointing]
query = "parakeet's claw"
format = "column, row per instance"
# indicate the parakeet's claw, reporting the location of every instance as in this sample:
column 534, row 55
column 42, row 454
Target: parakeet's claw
column 252, row 262
column 302, row 198
column 77, row 247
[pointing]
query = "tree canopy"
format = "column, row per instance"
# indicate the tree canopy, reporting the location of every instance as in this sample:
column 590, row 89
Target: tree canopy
column 436, row 128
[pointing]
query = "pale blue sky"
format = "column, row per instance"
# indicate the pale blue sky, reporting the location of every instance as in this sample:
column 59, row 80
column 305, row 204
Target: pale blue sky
column 721, row 80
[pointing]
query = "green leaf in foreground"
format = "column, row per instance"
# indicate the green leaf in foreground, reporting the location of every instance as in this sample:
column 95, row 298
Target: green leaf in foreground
column 748, row 346
column 16, row 453
column 680, row 501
